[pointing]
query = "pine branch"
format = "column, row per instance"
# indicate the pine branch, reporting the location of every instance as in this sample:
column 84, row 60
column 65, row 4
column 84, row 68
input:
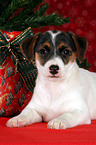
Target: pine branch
column 42, row 9
column 46, row 20
column 12, row 7
column 3, row 5
column 28, row 15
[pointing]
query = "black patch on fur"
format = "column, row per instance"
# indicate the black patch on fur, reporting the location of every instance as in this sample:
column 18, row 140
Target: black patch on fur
column 45, row 37
column 61, row 37
column 55, row 31
column 65, row 37
column 42, row 38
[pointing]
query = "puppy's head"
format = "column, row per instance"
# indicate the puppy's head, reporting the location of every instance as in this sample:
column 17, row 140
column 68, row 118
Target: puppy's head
column 54, row 51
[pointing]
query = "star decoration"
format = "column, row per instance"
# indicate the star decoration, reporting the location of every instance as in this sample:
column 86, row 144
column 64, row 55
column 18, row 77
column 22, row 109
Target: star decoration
column 11, row 36
column 10, row 87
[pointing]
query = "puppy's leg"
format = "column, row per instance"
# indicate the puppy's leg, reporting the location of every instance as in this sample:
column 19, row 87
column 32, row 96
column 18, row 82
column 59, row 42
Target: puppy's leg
column 26, row 117
column 70, row 119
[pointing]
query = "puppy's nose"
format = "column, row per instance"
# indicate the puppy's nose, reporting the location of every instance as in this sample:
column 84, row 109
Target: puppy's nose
column 54, row 69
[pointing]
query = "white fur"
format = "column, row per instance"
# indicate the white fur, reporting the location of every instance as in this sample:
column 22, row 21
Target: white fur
column 65, row 101
column 53, row 35
column 53, row 38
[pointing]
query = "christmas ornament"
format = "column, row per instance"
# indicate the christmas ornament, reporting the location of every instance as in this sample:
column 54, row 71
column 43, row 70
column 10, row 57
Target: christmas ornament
column 17, row 75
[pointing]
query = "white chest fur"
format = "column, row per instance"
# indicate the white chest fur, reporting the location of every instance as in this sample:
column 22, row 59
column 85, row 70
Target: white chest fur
column 52, row 98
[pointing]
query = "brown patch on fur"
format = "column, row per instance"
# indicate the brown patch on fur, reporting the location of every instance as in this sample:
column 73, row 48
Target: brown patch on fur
column 38, row 58
column 65, row 45
column 69, row 58
column 27, row 46
column 81, row 44
column 62, row 44
column 72, row 57
column 77, row 46
column 42, row 46
column 47, row 44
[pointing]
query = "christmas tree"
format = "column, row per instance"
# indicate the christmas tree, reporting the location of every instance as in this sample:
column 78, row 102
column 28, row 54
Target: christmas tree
column 21, row 14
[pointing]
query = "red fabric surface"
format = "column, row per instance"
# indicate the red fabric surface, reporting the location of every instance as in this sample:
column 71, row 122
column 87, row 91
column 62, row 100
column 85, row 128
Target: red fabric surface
column 83, row 22
column 39, row 134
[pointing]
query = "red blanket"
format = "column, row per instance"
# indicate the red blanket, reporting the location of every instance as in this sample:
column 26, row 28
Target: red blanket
column 39, row 134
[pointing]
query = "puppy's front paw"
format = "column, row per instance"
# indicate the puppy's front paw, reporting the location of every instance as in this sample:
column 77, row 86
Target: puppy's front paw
column 58, row 124
column 18, row 121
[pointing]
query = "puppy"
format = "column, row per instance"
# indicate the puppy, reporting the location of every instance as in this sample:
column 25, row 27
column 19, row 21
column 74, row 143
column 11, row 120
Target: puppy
column 64, row 95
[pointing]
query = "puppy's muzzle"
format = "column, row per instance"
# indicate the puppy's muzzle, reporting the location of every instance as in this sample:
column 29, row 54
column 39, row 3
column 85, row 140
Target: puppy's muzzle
column 53, row 69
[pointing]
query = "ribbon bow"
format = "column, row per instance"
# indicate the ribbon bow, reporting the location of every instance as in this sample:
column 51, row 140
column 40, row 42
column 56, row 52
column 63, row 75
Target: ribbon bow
column 13, row 46
column 27, row 69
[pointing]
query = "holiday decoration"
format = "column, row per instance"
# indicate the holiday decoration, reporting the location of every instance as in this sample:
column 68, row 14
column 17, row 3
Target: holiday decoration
column 20, row 14
column 27, row 69
column 14, row 95
column 17, row 75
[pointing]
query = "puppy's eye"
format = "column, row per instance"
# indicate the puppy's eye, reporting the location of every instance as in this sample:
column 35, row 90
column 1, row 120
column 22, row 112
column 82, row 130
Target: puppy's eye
column 64, row 51
column 45, row 50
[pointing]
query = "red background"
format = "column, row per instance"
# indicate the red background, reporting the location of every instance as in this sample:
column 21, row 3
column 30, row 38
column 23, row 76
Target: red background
column 83, row 22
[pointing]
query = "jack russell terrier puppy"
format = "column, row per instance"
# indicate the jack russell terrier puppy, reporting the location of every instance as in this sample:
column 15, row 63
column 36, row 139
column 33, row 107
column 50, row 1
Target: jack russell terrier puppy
column 64, row 95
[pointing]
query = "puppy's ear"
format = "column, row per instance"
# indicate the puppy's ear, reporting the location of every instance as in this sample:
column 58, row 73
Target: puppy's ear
column 28, row 46
column 81, row 45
